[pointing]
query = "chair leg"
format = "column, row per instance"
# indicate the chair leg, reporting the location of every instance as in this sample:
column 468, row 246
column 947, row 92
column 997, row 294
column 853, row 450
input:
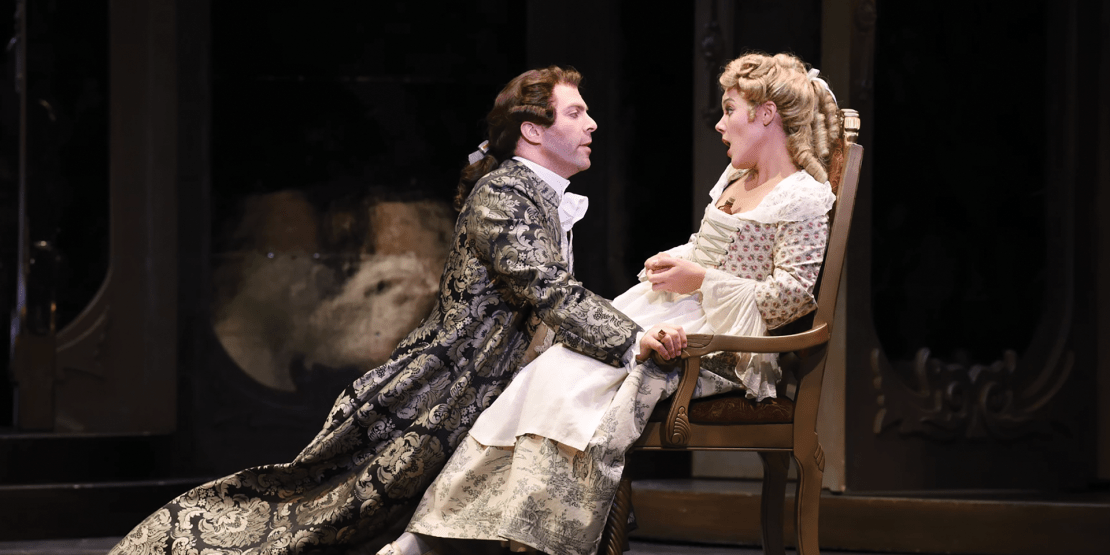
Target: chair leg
column 614, row 539
column 807, row 500
column 772, row 500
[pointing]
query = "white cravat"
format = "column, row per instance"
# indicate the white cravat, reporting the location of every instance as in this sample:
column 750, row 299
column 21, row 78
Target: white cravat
column 572, row 207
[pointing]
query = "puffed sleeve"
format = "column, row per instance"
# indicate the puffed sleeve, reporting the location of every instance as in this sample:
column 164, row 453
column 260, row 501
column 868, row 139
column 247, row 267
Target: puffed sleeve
column 507, row 230
column 783, row 296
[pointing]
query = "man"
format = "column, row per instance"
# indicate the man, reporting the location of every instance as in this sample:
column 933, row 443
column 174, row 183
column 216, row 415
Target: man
column 390, row 432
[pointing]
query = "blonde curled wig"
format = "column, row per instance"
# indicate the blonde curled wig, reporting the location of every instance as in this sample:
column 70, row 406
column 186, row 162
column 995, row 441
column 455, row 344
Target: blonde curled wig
column 810, row 117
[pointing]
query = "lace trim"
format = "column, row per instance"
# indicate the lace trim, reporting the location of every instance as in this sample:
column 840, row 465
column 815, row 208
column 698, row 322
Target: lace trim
column 798, row 197
column 712, row 240
column 758, row 372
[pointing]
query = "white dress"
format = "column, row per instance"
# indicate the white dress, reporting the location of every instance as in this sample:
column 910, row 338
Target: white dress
column 562, row 394
column 542, row 464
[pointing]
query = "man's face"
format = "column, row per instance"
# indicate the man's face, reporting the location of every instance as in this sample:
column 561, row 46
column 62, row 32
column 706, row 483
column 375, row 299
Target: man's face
column 566, row 144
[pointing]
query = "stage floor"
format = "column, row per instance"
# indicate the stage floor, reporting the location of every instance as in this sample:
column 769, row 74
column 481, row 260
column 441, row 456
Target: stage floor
column 675, row 515
column 99, row 546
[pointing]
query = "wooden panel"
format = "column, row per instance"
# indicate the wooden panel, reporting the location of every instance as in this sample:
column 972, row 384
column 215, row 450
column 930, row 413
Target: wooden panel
column 1102, row 228
column 33, row 369
column 762, row 435
column 93, row 510
column 836, row 59
column 1011, row 523
column 1019, row 416
column 49, row 457
column 116, row 365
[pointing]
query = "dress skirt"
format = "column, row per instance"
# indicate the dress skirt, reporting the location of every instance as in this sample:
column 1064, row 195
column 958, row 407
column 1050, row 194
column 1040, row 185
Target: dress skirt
column 540, row 491
column 562, row 394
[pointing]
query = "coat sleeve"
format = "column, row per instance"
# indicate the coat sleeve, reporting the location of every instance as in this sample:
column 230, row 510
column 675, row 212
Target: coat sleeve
column 509, row 233
column 787, row 293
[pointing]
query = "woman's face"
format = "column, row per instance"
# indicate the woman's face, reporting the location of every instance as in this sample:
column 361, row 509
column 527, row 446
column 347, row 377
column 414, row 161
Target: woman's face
column 745, row 138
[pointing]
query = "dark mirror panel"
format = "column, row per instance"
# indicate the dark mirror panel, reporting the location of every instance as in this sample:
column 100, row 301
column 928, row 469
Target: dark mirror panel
column 67, row 63
column 9, row 213
column 959, row 179
column 66, row 166
column 337, row 136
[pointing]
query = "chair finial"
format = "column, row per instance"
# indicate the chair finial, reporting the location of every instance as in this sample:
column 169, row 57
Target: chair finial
column 851, row 125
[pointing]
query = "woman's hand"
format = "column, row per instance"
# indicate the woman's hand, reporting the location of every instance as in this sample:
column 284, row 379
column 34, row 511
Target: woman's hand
column 677, row 275
column 665, row 339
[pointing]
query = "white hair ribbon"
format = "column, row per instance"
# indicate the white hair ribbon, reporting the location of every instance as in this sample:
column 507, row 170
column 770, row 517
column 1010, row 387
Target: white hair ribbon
column 813, row 76
column 483, row 148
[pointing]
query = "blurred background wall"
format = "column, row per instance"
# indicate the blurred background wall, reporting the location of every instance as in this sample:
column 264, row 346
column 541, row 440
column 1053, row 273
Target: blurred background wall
column 226, row 211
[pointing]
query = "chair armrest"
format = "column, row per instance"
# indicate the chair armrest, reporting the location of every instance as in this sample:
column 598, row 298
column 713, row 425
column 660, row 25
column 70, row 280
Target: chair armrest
column 677, row 425
column 699, row 344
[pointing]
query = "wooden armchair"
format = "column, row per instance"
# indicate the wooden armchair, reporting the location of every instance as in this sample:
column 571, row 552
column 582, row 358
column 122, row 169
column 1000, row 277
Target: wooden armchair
column 774, row 429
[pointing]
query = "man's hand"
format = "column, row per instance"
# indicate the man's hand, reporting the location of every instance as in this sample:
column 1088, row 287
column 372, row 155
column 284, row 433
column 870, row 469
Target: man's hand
column 677, row 275
column 665, row 339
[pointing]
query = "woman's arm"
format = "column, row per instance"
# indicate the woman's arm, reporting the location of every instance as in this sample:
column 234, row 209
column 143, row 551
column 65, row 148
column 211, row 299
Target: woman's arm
column 673, row 274
column 781, row 297
column 786, row 293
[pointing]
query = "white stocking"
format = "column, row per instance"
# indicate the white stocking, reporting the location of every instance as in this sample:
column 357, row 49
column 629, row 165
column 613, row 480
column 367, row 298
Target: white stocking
column 408, row 544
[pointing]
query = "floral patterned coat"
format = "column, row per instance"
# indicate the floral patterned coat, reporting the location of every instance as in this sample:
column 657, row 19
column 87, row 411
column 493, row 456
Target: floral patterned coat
column 392, row 430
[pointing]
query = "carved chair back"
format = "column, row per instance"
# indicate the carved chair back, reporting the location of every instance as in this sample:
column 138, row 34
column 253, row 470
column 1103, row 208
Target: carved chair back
column 776, row 429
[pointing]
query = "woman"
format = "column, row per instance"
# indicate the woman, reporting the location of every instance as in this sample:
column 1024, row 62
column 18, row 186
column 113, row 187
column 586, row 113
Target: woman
column 391, row 431
column 543, row 473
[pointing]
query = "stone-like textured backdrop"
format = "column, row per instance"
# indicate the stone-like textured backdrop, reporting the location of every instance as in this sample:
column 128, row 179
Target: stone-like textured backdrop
column 290, row 295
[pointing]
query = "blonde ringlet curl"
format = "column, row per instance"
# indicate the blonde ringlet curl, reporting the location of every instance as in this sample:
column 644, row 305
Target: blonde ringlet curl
column 810, row 116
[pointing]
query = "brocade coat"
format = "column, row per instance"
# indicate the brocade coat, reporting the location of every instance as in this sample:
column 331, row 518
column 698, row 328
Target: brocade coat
column 392, row 430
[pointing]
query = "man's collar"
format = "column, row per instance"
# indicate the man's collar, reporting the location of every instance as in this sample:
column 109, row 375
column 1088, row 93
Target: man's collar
column 554, row 180
column 572, row 207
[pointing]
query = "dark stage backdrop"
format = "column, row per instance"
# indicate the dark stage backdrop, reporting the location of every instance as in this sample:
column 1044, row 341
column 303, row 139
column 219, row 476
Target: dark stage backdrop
column 972, row 307
column 318, row 151
column 67, row 165
column 959, row 247
column 336, row 140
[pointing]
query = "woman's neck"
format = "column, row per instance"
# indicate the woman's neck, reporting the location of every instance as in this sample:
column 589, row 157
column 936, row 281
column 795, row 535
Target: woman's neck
column 773, row 169
column 772, row 166
column 747, row 192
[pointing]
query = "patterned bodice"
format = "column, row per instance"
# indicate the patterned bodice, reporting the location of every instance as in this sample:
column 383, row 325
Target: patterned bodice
column 740, row 247
column 780, row 244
